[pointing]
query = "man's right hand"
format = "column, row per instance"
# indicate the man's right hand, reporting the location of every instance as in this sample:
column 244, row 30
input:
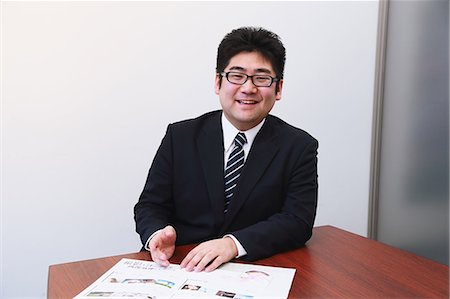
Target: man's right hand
column 162, row 245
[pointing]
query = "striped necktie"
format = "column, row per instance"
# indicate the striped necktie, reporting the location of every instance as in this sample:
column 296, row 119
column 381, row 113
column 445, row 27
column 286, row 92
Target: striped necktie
column 233, row 168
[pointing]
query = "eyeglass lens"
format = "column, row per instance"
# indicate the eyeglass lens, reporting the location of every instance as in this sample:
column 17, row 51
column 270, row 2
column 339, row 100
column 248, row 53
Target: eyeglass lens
column 241, row 78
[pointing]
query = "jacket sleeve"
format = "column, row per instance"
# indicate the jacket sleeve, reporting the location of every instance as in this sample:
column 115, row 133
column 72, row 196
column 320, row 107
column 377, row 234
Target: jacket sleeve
column 291, row 227
column 155, row 205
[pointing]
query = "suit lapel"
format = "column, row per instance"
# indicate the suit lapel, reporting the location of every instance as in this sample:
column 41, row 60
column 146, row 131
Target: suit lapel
column 210, row 147
column 261, row 154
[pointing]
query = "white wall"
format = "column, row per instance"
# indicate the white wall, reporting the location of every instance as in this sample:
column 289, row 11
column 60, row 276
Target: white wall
column 89, row 88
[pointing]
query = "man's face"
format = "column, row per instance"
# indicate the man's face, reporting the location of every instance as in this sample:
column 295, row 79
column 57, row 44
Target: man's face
column 246, row 105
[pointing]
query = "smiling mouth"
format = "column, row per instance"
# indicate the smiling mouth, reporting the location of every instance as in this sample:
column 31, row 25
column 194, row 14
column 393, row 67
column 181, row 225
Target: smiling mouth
column 247, row 102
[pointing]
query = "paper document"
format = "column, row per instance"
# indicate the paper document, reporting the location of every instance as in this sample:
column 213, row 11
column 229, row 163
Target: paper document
column 131, row 278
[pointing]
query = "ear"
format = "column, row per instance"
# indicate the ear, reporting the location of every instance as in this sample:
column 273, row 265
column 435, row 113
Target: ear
column 280, row 89
column 217, row 83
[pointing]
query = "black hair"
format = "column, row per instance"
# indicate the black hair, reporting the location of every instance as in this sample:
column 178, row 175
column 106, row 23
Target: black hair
column 252, row 39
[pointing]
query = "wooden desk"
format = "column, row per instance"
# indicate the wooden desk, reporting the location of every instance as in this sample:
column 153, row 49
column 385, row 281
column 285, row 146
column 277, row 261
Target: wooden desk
column 334, row 264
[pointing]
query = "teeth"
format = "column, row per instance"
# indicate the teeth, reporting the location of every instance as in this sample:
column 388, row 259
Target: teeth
column 247, row 102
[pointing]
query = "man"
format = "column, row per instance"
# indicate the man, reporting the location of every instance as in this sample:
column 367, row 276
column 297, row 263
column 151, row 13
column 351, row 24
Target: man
column 247, row 197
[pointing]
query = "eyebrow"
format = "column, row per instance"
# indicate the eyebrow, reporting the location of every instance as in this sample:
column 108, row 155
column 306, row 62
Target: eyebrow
column 257, row 70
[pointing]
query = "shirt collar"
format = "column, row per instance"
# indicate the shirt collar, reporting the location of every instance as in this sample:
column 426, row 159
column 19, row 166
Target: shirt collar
column 230, row 132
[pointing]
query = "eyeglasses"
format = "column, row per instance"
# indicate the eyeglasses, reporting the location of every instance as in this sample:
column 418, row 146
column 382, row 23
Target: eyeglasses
column 257, row 80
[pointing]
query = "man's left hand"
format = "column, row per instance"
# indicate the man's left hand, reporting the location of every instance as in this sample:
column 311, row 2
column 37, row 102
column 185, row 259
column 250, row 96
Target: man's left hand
column 209, row 255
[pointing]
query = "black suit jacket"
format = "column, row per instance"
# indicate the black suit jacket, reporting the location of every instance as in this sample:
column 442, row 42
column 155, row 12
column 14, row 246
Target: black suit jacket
column 273, row 207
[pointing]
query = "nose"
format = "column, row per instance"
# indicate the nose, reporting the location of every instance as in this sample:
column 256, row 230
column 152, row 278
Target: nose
column 248, row 87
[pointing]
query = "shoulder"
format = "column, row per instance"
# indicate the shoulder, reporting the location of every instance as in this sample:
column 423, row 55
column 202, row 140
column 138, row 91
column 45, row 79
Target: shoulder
column 209, row 119
column 283, row 130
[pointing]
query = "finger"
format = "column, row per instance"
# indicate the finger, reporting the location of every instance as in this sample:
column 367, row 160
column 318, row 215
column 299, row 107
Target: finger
column 206, row 259
column 160, row 259
column 194, row 260
column 168, row 236
column 215, row 264
column 157, row 253
column 169, row 231
column 164, row 263
column 188, row 257
column 193, row 263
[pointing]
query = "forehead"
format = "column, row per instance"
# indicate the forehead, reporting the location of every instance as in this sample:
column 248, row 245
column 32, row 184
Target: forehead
column 250, row 61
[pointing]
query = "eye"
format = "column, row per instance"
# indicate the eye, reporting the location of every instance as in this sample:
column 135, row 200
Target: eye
column 262, row 79
column 236, row 76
